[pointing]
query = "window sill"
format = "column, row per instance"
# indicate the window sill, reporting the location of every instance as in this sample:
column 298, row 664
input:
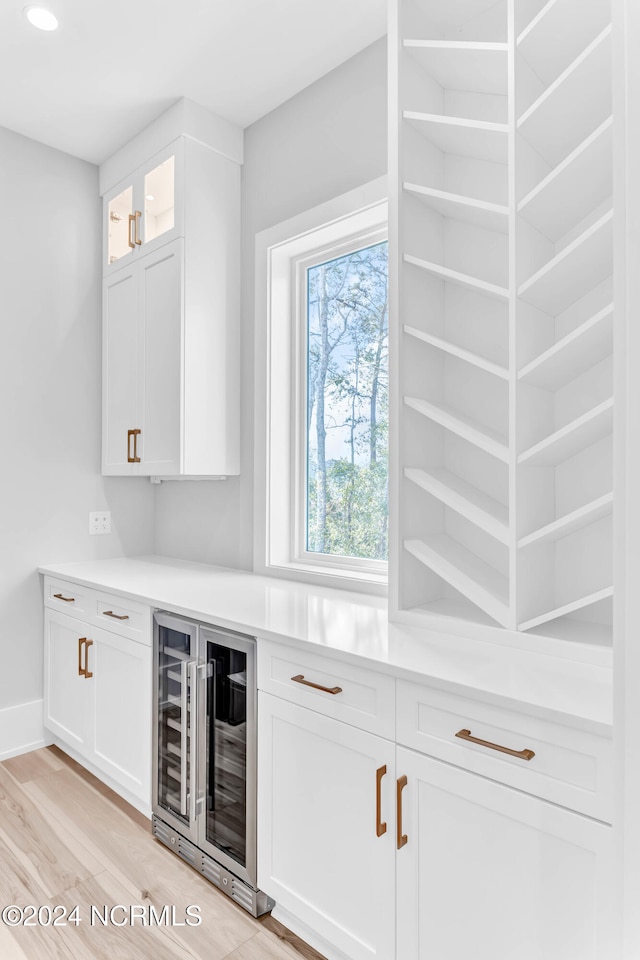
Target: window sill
column 320, row 576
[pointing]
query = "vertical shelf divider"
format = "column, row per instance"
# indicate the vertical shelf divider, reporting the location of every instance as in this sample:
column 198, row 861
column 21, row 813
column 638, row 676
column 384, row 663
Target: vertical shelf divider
column 513, row 318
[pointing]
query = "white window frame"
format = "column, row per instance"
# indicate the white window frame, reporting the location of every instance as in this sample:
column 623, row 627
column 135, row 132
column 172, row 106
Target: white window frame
column 283, row 254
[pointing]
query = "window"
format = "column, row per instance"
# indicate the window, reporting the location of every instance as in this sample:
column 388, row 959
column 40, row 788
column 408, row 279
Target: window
column 345, row 456
column 322, row 390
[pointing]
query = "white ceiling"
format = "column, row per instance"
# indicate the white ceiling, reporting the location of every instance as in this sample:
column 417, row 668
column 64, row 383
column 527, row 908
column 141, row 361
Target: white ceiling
column 114, row 65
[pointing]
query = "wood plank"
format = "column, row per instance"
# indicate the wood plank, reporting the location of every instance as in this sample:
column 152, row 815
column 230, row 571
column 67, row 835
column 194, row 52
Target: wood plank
column 37, row 763
column 101, row 787
column 9, row 949
column 285, row 935
column 135, row 859
column 24, row 829
column 266, row 946
column 89, row 938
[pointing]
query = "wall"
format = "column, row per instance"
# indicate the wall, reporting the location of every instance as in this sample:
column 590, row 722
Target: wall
column 50, row 393
column 326, row 140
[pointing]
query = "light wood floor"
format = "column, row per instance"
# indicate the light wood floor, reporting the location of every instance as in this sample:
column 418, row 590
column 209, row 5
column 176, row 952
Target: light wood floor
column 67, row 839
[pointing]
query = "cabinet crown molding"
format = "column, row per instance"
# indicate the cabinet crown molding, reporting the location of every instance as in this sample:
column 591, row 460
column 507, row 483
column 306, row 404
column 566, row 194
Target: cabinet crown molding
column 183, row 118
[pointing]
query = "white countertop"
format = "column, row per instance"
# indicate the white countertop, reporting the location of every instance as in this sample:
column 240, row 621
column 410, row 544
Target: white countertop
column 354, row 627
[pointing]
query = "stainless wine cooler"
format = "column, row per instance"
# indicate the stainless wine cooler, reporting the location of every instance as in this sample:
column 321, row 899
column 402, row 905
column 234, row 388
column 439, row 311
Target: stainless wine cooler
column 204, row 799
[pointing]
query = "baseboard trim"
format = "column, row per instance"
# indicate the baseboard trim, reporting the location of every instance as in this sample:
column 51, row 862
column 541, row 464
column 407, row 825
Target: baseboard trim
column 22, row 729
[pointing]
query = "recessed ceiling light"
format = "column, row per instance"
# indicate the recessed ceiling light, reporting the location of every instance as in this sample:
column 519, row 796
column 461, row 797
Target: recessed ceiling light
column 41, row 18
column 150, row 196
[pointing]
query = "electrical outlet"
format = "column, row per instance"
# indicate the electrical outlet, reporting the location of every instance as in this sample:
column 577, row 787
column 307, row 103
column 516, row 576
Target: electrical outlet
column 100, row 522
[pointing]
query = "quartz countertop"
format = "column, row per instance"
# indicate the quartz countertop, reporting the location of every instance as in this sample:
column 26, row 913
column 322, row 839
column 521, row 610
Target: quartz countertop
column 354, row 627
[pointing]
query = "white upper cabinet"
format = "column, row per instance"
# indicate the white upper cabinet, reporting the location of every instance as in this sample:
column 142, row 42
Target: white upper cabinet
column 171, row 299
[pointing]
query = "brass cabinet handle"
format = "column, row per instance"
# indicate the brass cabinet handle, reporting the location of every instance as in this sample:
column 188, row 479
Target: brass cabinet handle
column 132, row 242
column 316, row 686
column 137, row 216
column 58, row 596
column 380, row 826
column 135, row 434
column 87, row 672
column 110, row 613
column 81, row 669
column 521, row 754
column 401, row 837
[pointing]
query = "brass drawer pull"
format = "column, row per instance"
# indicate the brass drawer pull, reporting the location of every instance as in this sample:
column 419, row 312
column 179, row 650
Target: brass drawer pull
column 521, row 754
column 316, row 686
column 136, row 218
column 131, row 240
column 380, row 826
column 87, row 672
column 58, row 596
column 110, row 613
column 401, row 838
column 81, row 669
column 133, row 458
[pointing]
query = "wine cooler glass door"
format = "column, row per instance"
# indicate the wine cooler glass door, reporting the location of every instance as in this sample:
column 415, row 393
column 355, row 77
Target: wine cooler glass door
column 227, row 751
column 175, row 784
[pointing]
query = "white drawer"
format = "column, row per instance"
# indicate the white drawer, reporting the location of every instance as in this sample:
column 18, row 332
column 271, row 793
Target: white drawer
column 128, row 618
column 569, row 767
column 360, row 697
column 66, row 597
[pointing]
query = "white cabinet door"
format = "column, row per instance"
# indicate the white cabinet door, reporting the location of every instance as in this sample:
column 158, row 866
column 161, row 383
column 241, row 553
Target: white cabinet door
column 161, row 308
column 66, row 690
column 142, row 364
column 319, row 854
column 120, row 710
column 490, row 873
column 121, row 372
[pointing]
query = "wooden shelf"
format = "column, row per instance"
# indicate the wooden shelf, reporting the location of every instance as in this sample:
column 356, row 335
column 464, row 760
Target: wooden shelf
column 455, row 351
column 572, row 355
column 475, row 433
column 490, row 216
column 568, row 110
column 584, row 177
column 461, row 279
column 567, row 608
column 578, row 268
column 570, row 439
column 471, row 503
column 571, row 522
column 468, row 138
column 559, row 32
column 463, row 65
column 460, row 568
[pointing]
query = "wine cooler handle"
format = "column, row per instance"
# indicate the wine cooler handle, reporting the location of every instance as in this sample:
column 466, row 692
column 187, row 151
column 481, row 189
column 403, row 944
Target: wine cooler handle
column 193, row 677
column 184, row 716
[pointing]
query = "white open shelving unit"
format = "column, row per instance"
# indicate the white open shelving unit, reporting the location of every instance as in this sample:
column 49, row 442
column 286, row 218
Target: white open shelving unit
column 503, row 312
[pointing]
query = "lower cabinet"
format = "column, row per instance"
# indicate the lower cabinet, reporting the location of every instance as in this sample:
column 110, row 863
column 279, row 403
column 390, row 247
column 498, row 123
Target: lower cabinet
column 326, row 840
column 466, row 868
column 490, row 873
column 97, row 700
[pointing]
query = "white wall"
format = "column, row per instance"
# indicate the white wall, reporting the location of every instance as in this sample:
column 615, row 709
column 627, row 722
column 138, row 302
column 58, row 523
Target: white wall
column 50, row 393
column 326, row 140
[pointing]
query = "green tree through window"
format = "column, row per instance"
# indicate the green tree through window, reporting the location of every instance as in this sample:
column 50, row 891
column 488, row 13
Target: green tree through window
column 348, row 405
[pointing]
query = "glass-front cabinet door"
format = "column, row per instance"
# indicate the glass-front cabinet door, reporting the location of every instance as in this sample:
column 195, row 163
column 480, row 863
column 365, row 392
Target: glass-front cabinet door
column 175, row 786
column 119, row 225
column 145, row 211
column 227, row 751
column 159, row 200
